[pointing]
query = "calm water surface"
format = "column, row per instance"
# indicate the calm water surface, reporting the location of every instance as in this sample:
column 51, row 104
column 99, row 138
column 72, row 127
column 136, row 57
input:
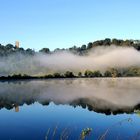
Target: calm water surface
column 61, row 109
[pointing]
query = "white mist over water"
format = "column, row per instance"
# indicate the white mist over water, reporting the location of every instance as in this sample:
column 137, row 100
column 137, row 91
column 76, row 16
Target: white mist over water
column 99, row 93
column 99, row 58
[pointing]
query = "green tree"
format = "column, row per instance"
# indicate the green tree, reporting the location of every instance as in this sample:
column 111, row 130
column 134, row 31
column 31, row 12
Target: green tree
column 79, row 74
column 97, row 74
column 88, row 73
column 30, row 51
column 132, row 72
column 83, row 47
column 9, row 46
column 117, row 42
column 107, row 73
column 57, row 75
column 112, row 72
column 107, row 42
column 127, row 43
column 69, row 74
column 89, row 46
column 137, row 46
column 98, row 43
column 45, row 50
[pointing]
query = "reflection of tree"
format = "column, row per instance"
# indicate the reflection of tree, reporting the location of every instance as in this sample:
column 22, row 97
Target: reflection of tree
column 137, row 112
column 72, row 92
column 91, row 105
column 16, row 108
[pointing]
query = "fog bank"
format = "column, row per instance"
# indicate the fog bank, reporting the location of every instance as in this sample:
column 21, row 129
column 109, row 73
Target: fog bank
column 100, row 58
column 100, row 94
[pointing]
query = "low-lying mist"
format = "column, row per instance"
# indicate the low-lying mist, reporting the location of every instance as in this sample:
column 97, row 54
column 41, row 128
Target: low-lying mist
column 100, row 94
column 99, row 58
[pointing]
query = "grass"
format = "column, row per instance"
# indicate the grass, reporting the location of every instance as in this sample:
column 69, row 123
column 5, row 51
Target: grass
column 102, row 137
column 66, row 133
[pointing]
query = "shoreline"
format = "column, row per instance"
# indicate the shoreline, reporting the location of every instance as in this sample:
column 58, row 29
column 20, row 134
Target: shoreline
column 58, row 78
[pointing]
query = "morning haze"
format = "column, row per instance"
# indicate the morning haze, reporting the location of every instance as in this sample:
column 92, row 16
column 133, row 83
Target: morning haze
column 100, row 58
column 69, row 70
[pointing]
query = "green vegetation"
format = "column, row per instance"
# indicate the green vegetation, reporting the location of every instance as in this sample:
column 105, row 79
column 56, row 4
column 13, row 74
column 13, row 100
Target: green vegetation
column 69, row 74
column 79, row 74
column 111, row 72
column 66, row 134
column 131, row 72
column 10, row 49
column 89, row 73
column 85, row 133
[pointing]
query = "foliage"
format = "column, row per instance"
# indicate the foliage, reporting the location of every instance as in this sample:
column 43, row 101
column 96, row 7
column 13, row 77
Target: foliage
column 89, row 73
column 131, row 72
column 112, row 72
column 97, row 74
column 85, row 132
column 45, row 50
column 57, row 75
column 107, row 74
column 69, row 74
column 79, row 74
column 11, row 49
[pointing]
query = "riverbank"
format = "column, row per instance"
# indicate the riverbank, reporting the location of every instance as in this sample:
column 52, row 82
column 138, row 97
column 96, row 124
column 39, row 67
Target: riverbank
column 17, row 77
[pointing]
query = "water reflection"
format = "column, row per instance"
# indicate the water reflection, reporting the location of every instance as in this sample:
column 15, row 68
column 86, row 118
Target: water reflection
column 108, row 96
column 16, row 108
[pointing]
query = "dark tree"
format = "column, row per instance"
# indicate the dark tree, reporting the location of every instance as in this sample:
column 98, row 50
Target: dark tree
column 79, row 74
column 30, row 51
column 83, row 47
column 107, row 42
column 97, row 74
column 112, row 73
column 107, row 73
column 9, row 46
column 45, row 50
column 89, row 46
column 57, row 75
column 88, row 73
column 69, row 74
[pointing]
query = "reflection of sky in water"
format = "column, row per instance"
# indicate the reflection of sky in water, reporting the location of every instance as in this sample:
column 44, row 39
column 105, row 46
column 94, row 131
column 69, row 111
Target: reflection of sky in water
column 32, row 122
column 111, row 95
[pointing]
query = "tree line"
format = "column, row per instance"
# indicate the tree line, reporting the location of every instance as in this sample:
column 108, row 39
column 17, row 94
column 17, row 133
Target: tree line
column 111, row 72
column 11, row 49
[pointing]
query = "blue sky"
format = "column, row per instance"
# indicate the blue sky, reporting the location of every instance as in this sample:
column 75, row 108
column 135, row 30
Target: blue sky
column 64, row 23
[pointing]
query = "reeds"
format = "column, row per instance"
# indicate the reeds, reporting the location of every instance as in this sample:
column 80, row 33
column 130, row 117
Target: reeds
column 66, row 133
column 102, row 137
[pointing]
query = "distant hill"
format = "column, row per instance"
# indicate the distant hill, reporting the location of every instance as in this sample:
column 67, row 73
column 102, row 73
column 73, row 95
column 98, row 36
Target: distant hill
column 28, row 67
column 11, row 49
